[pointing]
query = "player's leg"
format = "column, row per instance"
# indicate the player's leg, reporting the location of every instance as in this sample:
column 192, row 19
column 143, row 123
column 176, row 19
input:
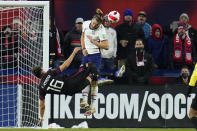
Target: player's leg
column 94, row 92
column 193, row 112
column 93, row 68
column 84, row 103
column 94, row 89
column 193, row 117
column 88, row 70
column 86, row 90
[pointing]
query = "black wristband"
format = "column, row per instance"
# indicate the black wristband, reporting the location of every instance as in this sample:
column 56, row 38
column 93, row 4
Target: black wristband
column 83, row 48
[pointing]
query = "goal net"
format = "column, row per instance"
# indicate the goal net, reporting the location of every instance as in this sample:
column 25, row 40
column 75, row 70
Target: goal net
column 23, row 44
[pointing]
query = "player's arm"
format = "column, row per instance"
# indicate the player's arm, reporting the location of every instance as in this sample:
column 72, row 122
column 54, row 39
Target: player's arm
column 193, row 77
column 82, row 41
column 103, row 44
column 42, row 109
column 67, row 62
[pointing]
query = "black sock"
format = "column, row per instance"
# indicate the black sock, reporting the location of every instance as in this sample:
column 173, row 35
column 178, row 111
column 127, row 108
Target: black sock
column 194, row 121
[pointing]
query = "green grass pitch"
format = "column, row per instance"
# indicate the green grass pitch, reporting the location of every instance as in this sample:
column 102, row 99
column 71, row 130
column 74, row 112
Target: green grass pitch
column 101, row 129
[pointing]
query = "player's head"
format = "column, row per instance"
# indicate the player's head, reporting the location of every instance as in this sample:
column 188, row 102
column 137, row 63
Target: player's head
column 37, row 71
column 96, row 20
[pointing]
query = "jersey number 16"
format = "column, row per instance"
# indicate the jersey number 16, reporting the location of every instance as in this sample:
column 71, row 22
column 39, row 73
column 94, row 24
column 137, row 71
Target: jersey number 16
column 55, row 85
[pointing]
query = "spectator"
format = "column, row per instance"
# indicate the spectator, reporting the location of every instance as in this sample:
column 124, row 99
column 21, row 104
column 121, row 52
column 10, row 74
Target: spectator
column 158, row 47
column 184, row 77
column 172, row 29
column 108, row 56
column 183, row 48
column 54, row 45
column 8, row 48
column 16, row 25
column 139, row 65
column 141, row 20
column 191, row 31
column 127, row 33
column 72, row 40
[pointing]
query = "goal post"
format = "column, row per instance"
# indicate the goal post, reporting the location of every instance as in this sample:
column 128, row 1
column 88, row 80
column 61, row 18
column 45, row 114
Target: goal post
column 24, row 43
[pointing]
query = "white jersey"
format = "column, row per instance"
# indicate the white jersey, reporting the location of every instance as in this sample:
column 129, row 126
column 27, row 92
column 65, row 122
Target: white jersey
column 98, row 35
column 112, row 40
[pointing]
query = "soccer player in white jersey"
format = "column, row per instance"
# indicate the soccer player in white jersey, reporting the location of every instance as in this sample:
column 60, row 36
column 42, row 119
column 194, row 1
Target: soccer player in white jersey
column 93, row 39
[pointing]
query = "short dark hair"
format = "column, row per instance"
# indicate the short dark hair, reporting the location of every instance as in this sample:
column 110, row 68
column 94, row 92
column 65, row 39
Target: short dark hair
column 37, row 71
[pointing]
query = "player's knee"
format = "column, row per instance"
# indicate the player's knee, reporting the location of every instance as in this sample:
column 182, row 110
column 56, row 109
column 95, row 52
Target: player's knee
column 192, row 113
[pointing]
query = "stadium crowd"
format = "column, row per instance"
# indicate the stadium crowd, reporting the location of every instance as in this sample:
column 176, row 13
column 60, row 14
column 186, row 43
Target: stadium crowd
column 141, row 48
column 164, row 48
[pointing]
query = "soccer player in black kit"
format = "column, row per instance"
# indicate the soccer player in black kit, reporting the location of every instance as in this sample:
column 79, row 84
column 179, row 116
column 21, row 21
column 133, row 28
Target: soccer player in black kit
column 53, row 82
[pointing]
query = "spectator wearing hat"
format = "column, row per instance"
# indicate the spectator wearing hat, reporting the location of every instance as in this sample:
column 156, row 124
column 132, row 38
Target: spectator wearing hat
column 171, row 30
column 191, row 31
column 72, row 40
column 158, row 47
column 141, row 20
column 183, row 50
column 108, row 56
column 127, row 33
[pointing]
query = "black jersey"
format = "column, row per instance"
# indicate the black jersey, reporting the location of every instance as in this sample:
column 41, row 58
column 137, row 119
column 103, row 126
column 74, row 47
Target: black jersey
column 52, row 82
column 55, row 83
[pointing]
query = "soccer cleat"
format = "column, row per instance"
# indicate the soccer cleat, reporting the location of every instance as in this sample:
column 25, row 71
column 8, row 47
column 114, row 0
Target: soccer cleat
column 90, row 111
column 84, row 105
column 103, row 81
column 120, row 72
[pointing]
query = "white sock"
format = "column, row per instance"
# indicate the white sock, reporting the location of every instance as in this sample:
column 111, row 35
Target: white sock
column 85, row 93
column 94, row 93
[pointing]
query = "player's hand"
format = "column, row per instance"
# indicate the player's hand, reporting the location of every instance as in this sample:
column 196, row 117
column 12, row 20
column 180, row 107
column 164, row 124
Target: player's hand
column 90, row 38
column 76, row 49
column 85, row 53
column 40, row 121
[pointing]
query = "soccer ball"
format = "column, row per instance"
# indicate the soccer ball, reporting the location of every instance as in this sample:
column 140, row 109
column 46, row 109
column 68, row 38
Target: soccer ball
column 114, row 16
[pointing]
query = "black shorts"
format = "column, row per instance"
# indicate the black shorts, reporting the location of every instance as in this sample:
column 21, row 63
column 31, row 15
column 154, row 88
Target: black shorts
column 77, row 82
column 194, row 103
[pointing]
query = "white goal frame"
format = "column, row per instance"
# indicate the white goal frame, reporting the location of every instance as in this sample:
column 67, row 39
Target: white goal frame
column 45, row 5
